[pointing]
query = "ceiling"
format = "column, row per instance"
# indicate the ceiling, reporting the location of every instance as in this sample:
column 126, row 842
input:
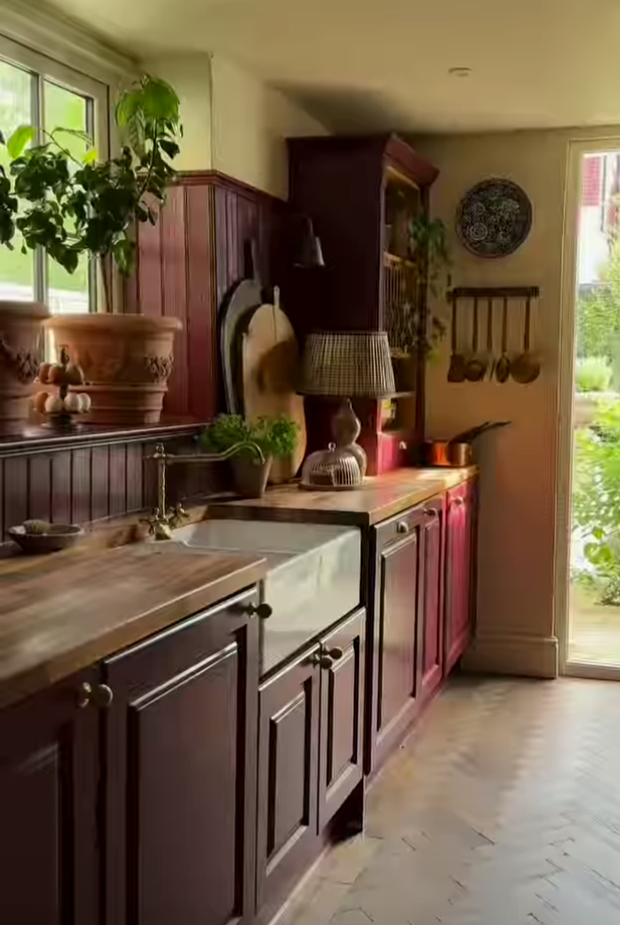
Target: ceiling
column 378, row 64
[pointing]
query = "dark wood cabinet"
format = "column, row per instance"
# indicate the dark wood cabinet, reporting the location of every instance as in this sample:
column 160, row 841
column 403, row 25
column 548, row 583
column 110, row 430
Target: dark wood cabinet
column 432, row 630
column 180, row 773
column 397, row 662
column 342, row 699
column 310, row 755
column 49, row 772
column 289, row 716
column 459, row 571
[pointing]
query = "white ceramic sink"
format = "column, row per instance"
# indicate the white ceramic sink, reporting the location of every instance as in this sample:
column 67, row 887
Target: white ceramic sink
column 313, row 578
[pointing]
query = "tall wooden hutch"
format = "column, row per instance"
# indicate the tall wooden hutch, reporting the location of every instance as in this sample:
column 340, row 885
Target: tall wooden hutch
column 359, row 193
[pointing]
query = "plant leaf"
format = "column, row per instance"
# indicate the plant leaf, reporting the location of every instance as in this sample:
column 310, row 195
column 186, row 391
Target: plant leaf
column 90, row 157
column 19, row 140
column 74, row 133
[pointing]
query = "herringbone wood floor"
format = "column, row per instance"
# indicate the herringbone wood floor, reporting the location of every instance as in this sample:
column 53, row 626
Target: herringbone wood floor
column 504, row 809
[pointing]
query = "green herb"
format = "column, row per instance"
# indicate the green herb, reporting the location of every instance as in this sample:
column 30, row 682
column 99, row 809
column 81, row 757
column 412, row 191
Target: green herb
column 70, row 206
column 276, row 437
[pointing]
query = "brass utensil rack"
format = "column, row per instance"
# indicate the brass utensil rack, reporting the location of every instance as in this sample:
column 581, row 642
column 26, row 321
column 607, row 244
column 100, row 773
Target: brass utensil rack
column 472, row 365
column 493, row 292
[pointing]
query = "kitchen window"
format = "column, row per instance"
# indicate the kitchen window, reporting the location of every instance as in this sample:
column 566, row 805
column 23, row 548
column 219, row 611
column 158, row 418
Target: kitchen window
column 38, row 91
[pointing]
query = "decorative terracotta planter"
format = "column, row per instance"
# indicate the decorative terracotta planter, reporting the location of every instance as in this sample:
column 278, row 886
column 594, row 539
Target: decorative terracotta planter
column 20, row 355
column 127, row 361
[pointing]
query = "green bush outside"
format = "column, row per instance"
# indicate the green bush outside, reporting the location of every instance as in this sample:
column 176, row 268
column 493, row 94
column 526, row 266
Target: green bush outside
column 593, row 374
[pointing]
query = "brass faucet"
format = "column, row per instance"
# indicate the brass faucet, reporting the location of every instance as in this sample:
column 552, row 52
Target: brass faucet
column 164, row 519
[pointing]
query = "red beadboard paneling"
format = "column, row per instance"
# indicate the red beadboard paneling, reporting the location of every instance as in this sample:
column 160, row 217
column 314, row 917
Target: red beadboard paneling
column 117, row 475
column 81, row 485
column 15, row 491
column 100, row 482
column 201, row 324
column 174, row 295
column 40, row 484
column 61, row 488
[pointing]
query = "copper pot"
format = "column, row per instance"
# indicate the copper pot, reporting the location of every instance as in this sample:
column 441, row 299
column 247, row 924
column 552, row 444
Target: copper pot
column 458, row 451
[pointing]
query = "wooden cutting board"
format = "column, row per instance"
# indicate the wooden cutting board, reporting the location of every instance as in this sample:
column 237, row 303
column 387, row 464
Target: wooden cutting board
column 270, row 365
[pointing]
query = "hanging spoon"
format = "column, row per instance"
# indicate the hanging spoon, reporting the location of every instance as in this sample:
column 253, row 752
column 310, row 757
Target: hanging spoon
column 526, row 368
column 502, row 369
column 488, row 358
column 475, row 368
column 456, row 372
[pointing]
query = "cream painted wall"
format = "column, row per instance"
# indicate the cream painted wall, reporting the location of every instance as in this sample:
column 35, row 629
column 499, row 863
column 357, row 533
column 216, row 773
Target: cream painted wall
column 250, row 124
column 190, row 75
column 515, row 629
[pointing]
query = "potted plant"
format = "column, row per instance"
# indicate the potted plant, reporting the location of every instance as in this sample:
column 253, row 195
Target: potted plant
column 277, row 437
column 75, row 207
column 416, row 329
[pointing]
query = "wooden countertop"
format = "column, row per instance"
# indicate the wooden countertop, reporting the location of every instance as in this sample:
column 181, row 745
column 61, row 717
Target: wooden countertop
column 62, row 613
column 380, row 497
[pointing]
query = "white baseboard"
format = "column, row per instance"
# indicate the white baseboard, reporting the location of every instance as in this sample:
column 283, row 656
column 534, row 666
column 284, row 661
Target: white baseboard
column 533, row 656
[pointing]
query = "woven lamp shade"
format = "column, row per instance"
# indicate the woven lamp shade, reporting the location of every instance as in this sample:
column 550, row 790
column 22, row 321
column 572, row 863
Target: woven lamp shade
column 348, row 364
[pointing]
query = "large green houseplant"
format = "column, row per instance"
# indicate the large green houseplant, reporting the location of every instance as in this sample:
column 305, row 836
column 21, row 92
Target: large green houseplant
column 74, row 206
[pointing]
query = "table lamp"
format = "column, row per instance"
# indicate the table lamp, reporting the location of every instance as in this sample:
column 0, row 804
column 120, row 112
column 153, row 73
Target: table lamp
column 348, row 364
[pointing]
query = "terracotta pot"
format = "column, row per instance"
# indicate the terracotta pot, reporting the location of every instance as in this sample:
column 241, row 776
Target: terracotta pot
column 20, row 356
column 250, row 476
column 127, row 361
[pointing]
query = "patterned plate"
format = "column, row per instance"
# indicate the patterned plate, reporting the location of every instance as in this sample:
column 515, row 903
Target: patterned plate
column 494, row 218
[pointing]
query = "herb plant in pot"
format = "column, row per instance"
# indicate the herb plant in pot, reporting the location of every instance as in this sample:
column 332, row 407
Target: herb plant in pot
column 276, row 437
column 75, row 207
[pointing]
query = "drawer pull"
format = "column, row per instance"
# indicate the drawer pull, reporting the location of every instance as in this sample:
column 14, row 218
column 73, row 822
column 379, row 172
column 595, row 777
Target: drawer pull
column 323, row 661
column 336, row 653
column 430, row 512
column 459, row 502
column 262, row 611
column 402, row 527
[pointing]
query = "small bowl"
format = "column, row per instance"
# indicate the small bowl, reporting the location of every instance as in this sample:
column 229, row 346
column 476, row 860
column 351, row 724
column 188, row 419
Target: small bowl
column 59, row 536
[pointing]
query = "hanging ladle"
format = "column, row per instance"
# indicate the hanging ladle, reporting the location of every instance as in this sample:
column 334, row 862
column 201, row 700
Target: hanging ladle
column 456, row 372
column 502, row 370
column 525, row 368
column 476, row 367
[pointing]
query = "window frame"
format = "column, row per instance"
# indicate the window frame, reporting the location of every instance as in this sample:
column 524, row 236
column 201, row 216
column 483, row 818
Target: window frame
column 97, row 95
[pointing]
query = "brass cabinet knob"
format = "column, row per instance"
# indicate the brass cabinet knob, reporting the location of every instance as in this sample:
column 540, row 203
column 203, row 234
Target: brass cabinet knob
column 323, row 661
column 262, row 611
column 336, row 653
column 84, row 695
column 101, row 695
column 402, row 527
column 430, row 512
column 458, row 502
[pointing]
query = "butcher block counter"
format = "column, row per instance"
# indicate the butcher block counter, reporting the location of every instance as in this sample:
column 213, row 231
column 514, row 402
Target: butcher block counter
column 380, row 497
column 63, row 612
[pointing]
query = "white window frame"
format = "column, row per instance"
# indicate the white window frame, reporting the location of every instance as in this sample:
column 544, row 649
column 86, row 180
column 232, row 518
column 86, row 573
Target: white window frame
column 97, row 94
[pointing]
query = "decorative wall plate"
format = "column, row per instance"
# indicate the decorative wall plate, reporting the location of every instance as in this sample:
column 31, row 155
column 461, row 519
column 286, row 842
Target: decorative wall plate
column 494, row 218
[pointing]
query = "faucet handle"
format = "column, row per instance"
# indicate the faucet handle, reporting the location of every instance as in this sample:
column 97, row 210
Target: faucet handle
column 153, row 520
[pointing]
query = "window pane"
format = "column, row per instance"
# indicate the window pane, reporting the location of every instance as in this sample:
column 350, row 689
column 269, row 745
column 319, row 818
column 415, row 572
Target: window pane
column 16, row 269
column 67, row 292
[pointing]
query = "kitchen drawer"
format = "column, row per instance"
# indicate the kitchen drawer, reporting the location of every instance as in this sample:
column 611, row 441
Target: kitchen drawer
column 397, row 528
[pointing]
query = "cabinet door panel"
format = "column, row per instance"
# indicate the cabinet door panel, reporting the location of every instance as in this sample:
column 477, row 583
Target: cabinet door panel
column 48, row 801
column 287, row 777
column 342, row 697
column 397, row 606
column 459, row 571
column 180, row 763
column 432, row 607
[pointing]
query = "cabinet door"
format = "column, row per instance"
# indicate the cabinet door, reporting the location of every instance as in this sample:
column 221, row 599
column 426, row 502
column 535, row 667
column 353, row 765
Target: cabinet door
column 287, row 778
column 342, row 698
column 459, row 571
column 397, row 608
column 48, row 805
column 180, row 765
column 431, row 627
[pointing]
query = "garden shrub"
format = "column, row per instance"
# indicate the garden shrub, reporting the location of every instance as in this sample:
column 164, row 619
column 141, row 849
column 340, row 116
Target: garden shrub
column 593, row 374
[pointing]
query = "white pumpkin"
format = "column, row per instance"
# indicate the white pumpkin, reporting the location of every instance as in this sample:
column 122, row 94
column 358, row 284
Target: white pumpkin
column 73, row 403
column 85, row 402
column 54, row 404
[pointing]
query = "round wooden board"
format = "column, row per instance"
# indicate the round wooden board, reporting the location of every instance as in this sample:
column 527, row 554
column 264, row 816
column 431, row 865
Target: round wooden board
column 270, row 366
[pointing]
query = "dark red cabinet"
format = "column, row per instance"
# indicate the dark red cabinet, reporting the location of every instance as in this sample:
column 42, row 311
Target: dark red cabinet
column 397, row 661
column 432, row 630
column 310, row 755
column 342, row 728
column 49, row 772
column 180, row 773
column 459, row 571
column 287, row 773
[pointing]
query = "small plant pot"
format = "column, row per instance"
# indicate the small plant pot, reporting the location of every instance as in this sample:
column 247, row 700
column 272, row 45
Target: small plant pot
column 250, row 476
column 405, row 372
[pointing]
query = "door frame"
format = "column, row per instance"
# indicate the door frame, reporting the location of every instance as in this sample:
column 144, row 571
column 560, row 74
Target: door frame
column 566, row 371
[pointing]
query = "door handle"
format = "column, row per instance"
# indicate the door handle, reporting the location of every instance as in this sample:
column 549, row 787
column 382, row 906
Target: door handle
column 99, row 695
column 322, row 660
column 336, row 653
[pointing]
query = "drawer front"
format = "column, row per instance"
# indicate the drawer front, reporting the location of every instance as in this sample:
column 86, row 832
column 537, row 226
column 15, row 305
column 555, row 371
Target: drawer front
column 397, row 528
